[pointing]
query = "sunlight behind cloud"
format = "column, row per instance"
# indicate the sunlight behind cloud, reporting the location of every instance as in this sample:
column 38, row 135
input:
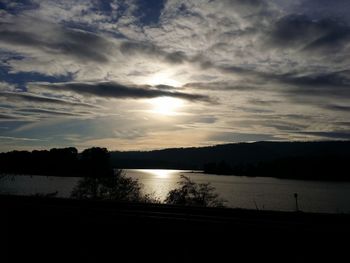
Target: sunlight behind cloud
column 166, row 105
column 163, row 78
column 123, row 71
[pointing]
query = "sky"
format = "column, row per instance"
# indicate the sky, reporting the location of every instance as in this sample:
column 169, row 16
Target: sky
column 143, row 75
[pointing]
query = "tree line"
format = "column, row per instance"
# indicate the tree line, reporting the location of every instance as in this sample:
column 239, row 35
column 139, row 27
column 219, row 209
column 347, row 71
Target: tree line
column 100, row 181
column 92, row 162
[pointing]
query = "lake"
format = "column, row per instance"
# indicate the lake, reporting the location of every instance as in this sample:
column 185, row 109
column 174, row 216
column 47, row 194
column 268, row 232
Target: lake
column 264, row 193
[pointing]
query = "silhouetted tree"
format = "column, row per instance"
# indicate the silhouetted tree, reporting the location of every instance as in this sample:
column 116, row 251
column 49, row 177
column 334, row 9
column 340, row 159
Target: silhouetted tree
column 95, row 162
column 117, row 187
column 190, row 193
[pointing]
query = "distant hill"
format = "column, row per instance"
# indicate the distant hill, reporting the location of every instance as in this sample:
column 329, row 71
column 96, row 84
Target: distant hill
column 306, row 160
column 298, row 160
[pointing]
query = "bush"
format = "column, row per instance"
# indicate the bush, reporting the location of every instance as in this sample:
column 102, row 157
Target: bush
column 117, row 187
column 190, row 193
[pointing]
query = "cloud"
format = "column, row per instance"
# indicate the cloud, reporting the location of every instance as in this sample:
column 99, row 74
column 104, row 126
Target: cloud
column 150, row 50
column 242, row 137
column 308, row 35
column 222, row 86
column 34, row 98
column 7, row 87
column 337, row 107
column 19, row 105
column 266, row 102
column 24, row 34
column 316, row 88
column 8, row 117
column 51, row 112
column 114, row 90
column 339, row 135
column 334, row 84
column 334, row 79
column 6, row 138
column 321, row 9
column 278, row 68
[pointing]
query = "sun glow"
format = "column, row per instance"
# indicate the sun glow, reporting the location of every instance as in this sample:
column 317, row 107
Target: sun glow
column 163, row 78
column 166, row 105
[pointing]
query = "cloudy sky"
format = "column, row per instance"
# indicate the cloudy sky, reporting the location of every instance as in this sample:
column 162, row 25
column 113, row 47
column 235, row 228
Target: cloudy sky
column 143, row 75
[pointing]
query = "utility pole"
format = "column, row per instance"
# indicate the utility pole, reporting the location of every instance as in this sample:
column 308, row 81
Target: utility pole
column 296, row 202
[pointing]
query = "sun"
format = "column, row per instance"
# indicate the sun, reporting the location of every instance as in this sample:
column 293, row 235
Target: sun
column 166, row 105
column 163, row 78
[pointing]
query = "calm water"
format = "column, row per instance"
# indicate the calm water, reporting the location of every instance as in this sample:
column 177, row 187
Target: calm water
column 244, row 192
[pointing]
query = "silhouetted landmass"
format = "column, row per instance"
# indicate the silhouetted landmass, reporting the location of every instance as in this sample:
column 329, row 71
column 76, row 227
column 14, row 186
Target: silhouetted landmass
column 296, row 160
column 93, row 162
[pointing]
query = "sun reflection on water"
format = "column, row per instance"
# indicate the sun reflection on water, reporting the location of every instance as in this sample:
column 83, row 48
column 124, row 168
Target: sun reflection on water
column 159, row 173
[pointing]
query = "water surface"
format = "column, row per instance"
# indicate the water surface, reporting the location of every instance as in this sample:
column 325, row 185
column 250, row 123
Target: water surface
column 264, row 193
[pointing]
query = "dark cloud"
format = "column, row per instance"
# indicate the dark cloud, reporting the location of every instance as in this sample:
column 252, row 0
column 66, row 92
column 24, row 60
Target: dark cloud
column 119, row 91
column 84, row 45
column 81, row 45
column 334, row 79
column 50, row 112
column 303, row 33
column 337, row 82
column 254, row 110
column 343, row 123
column 323, row 8
column 207, row 119
column 7, row 117
column 337, row 107
column 261, row 102
column 165, row 87
column 219, row 86
column 333, row 84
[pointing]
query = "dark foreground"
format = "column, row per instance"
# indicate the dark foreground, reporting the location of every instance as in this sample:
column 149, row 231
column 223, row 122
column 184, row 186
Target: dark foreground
column 43, row 229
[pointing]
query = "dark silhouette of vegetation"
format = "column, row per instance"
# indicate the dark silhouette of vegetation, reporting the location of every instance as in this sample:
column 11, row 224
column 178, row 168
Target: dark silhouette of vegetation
column 294, row 160
column 190, row 193
column 93, row 162
column 117, row 187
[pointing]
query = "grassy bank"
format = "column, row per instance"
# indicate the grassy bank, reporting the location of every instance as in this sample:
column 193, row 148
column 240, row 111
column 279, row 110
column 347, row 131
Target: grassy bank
column 101, row 230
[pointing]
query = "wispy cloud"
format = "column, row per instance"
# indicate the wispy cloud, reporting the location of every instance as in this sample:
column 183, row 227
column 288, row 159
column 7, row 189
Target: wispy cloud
column 6, row 138
column 251, row 69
